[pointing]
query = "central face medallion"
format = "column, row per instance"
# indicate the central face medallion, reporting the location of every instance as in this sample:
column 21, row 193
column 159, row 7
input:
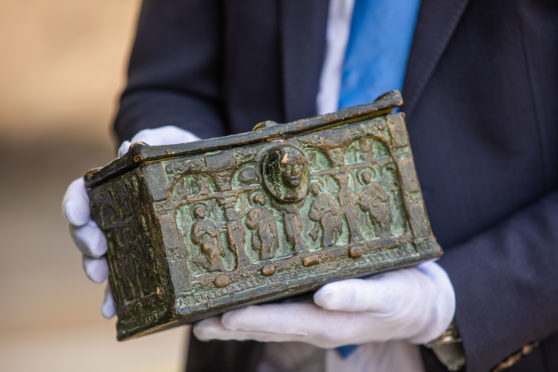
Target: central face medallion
column 285, row 173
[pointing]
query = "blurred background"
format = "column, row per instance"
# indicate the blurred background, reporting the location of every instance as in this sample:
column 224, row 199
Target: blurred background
column 61, row 69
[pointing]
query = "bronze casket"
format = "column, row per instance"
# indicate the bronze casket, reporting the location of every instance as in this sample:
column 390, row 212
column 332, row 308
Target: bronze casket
column 200, row 228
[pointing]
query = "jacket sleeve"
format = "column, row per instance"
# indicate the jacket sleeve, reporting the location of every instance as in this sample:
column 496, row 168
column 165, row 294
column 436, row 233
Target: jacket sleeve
column 174, row 76
column 505, row 284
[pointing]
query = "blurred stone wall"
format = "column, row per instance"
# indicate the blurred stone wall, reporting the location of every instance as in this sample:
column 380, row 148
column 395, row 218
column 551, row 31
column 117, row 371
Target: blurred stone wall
column 62, row 66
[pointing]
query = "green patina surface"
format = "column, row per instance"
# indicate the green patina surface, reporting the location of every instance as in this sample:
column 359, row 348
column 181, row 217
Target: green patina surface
column 201, row 228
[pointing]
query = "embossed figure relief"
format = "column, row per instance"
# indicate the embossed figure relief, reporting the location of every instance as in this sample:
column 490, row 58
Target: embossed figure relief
column 202, row 186
column 346, row 201
column 285, row 173
column 264, row 231
column 136, row 273
column 327, row 215
column 235, row 235
column 192, row 187
column 321, row 193
column 235, row 231
column 205, row 234
column 374, row 201
column 293, row 228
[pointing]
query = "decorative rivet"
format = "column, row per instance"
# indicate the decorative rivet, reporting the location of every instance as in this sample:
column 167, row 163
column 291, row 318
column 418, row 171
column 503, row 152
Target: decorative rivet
column 355, row 252
column 310, row 260
column 268, row 270
column 222, row 281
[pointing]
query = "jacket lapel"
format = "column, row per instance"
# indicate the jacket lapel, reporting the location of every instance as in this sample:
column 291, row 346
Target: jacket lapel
column 303, row 29
column 303, row 32
column 436, row 22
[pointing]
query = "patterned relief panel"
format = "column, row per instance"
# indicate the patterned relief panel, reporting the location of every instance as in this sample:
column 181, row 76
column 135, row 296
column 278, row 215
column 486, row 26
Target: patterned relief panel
column 226, row 225
column 273, row 206
column 139, row 282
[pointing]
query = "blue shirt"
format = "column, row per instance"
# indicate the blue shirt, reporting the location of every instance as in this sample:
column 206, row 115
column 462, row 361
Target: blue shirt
column 378, row 49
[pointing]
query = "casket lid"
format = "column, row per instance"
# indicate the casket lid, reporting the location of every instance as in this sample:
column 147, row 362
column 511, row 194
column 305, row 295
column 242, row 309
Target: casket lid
column 264, row 131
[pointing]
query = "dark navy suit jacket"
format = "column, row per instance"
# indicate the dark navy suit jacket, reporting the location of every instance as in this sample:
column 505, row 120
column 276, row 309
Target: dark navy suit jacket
column 481, row 94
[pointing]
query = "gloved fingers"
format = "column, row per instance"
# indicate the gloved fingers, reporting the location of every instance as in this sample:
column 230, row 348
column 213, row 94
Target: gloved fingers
column 382, row 294
column 416, row 303
column 213, row 329
column 352, row 295
column 89, row 239
column 443, row 302
column 167, row 135
column 433, row 271
column 296, row 322
column 208, row 329
column 76, row 203
column 96, row 268
column 304, row 323
column 109, row 308
column 124, row 148
column 306, row 320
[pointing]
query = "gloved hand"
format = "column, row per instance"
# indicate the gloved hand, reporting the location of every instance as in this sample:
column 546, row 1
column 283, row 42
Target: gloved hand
column 84, row 231
column 413, row 304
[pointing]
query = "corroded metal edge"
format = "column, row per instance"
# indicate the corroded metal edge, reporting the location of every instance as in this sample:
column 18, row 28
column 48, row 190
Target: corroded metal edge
column 141, row 153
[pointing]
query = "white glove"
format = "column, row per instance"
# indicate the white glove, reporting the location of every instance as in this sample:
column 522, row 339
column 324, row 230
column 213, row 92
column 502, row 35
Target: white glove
column 414, row 304
column 84, row 231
